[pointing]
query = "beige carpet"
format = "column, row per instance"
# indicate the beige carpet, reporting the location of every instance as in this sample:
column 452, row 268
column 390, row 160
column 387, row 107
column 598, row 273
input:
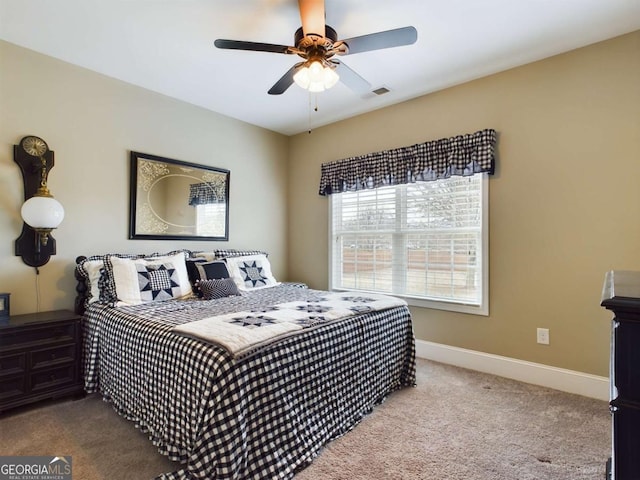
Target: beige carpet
column 456, row 424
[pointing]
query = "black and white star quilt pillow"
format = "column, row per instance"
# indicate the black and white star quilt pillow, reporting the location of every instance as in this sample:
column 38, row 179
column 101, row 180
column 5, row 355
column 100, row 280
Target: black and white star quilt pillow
column 158, row 282
column 251, row 272
column 150, row 280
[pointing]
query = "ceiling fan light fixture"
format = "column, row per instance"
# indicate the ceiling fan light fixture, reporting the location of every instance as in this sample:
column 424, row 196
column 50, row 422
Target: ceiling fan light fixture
column 318, row 43
column 316, row 87
column 301, row 77
column 316, row 77
column 330, row 77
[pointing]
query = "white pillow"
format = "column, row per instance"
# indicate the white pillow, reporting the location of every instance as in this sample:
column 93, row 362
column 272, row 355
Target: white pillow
column 151, row 279
column 209, row 256
column 251, row 272
column 93, row 268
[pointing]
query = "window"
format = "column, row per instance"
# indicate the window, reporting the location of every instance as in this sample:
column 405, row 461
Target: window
column 426, row 242
column 210, row 219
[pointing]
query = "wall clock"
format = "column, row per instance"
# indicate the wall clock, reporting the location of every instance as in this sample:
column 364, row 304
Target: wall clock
column 34, row 146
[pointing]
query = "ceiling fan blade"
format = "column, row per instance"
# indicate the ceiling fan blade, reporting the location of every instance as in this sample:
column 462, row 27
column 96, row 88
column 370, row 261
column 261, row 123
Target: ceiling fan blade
column 285, row 81
column 380, row 40
column 312, row 16
column 351, row 79
column 252, row 46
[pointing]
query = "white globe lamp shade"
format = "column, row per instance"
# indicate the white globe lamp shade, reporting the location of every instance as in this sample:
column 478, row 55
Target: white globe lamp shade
column 316, row 87
column 316, row 77
column 302, row 78
column 42, row 212
column 330, row 77
column 315, row 72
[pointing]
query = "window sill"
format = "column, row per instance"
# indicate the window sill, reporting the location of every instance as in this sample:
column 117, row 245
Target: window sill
column 482, row 310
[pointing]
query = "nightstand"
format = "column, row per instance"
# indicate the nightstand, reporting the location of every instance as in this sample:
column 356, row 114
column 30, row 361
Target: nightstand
column 40, row 356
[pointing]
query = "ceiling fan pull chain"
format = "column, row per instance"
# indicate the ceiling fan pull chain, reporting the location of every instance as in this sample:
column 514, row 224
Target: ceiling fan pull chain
column 309, row 112
column 315, row 108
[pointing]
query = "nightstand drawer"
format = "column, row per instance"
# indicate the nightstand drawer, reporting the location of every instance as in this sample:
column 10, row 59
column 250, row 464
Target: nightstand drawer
column 40, row 357
column 48, row 357
column 13, row 364
column 52, row 378
column 13, row 387
column 34, row 335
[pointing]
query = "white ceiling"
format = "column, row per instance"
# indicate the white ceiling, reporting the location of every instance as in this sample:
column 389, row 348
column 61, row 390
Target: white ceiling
column 167, row 46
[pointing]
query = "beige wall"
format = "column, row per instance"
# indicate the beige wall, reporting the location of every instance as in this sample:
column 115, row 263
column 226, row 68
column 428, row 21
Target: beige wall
column 91, row 122
column 564, row 203
column 565, row 200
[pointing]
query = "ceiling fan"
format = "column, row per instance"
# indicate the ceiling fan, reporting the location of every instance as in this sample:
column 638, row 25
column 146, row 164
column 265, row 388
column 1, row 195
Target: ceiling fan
column 317, row 44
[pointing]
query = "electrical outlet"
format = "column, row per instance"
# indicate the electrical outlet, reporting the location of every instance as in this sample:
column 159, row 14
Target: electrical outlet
column 543, row 336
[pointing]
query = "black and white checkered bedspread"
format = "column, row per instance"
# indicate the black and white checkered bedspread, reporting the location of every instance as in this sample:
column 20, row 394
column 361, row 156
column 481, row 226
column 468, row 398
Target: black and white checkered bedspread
column 265, row 416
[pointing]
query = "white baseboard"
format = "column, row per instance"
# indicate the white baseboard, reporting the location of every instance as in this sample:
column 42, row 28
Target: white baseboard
column 536, row 373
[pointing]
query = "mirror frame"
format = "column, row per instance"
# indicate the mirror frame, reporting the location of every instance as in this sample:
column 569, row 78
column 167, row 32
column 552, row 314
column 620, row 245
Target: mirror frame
column 136, row 184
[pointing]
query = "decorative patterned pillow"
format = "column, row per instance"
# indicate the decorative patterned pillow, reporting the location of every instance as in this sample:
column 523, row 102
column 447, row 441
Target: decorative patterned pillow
column 187, row 253
column 231, row 252
column 251, row 272
column 218, row 288
column 200, row 269
column 158, row 282
column 222, row 253
column 149, row 279
column 93, row 269
column 212, row 270
column 208, row 256
column 97, row 269
column 192, row 269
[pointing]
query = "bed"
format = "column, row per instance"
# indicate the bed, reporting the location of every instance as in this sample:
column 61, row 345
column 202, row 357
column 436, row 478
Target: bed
column 239, row 409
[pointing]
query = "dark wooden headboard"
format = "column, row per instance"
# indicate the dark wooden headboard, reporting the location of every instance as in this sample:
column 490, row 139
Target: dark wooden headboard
column 81, row 289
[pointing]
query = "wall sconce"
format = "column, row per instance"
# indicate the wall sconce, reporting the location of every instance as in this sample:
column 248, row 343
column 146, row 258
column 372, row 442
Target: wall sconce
column 41, row 212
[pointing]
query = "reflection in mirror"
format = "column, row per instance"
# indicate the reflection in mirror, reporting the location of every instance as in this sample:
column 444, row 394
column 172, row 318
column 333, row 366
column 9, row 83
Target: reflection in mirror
column 171, row 199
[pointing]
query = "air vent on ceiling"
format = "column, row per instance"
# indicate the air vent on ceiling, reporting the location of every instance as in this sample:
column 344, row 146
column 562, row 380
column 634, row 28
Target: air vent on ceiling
column 381, row 91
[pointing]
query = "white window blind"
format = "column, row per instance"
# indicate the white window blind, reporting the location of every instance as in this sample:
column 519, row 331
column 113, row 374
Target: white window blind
column 424, row 241
column 210, row 219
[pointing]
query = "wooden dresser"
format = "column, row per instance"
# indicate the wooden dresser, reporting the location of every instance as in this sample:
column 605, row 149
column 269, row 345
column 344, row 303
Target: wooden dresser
column 40, row 357
column 621, row 295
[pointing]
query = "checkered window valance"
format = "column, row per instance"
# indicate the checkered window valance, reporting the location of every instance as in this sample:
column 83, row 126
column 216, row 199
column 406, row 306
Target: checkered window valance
column 207, row 192
column 461, row 155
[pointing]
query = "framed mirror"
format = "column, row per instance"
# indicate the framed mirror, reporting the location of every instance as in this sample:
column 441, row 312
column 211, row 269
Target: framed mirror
column 176, row 200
